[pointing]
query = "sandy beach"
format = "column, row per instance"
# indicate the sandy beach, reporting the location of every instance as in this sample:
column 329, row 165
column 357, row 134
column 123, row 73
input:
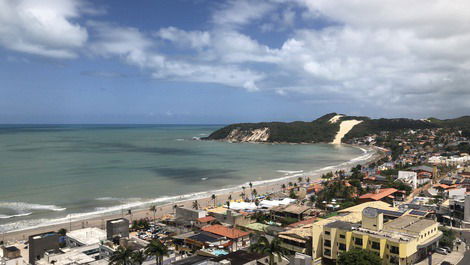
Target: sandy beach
column 165, row 209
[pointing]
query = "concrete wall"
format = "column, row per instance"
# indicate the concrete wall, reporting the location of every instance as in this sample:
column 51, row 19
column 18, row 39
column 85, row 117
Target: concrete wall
column 467, row 209
column 39, row 244
column 188, row 214
column 117, row 227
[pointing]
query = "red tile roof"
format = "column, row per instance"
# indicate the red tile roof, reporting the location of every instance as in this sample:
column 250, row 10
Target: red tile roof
column 206, row 219
column 227, row 232
column 380, row 195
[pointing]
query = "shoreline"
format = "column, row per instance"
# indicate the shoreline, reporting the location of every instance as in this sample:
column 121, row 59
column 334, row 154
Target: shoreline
column 186, row 200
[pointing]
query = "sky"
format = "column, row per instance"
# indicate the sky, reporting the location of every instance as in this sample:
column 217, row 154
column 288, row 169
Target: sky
column 219, row 62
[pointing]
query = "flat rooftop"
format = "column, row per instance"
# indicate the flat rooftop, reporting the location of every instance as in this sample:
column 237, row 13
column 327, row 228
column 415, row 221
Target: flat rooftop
column 409, row 224
column 87, row 236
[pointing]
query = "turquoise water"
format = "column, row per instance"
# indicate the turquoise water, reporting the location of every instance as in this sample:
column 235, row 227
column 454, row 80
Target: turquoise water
column 48, row 172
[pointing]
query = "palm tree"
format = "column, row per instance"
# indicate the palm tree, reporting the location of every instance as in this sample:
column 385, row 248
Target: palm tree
column 254, row 193
column 122, row 256
column 213, row 198
column 138, row 257
column 251, row 187
column 158, row 249
column 153, row 209
column 273, row 248
column 195, row 205
column 129, row 212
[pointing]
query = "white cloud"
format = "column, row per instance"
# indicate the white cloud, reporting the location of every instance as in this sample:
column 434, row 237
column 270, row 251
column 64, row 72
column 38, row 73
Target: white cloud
column 193, row 39
column 138, row 48
column 241, row 12
column 43, row 27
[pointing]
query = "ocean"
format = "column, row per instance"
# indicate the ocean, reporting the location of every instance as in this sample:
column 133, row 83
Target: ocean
column 51, row 172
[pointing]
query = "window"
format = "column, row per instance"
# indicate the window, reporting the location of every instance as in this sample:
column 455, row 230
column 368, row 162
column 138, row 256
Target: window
column 342, row 236
column 327, row 252
column 358, row 241
column 327, row 232
column 327, row 243
column 342, row 246
column 375, row 245
column 394, row 249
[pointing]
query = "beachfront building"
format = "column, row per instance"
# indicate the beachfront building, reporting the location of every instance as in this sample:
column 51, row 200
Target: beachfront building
column 11, row 256
column 117, row 228
column 230, row 217
column 188, row 216
column 41, row 244
column 238, row 239
column 291, row 211
column 75, row 256
column 403, row 240
column 84, row 237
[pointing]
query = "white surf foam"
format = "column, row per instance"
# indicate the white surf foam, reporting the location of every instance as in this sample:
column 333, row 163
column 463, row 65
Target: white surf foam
column 290, row 172
column 24, row 206
column 2, row 216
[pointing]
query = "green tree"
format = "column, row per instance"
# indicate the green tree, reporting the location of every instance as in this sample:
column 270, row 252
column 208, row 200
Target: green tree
column 195, row 205
column 254, row 193
column 122, row 256
column 358, row 257
column 273, row 248
column 153, row 209
column 213, row 197
column 157, row 249
column 292, row 194
column 138, row 257
column 448, row 238
column 62, row 231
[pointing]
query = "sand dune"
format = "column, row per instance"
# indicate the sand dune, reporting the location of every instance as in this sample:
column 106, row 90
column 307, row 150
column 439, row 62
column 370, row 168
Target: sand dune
column 344, row 128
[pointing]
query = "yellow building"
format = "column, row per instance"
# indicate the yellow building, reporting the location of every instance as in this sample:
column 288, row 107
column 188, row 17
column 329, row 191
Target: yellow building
column 350, row 215
column 397, row 238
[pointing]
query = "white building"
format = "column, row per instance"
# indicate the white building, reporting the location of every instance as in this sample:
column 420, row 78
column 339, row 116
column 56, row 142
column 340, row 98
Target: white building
column 409, row 177
column 85, row 236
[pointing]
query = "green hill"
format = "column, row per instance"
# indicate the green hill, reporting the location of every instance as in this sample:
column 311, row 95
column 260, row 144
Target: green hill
column 324, row 129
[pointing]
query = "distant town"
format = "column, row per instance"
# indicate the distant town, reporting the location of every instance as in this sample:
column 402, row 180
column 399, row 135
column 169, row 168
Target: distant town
column 411, row 205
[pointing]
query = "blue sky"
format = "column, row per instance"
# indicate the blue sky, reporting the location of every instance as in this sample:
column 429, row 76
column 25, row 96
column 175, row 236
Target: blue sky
column 183, row 61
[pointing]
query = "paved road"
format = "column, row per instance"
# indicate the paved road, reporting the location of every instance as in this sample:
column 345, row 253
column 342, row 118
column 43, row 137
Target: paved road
column 466, row 259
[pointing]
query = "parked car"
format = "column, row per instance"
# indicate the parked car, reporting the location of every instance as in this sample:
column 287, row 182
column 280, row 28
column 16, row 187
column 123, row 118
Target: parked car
column 448, row 249
column 441, row 251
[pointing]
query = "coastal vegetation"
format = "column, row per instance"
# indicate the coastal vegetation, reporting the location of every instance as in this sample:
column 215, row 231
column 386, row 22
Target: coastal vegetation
column 273, row 249
column 358, row 257
column 325, row 128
